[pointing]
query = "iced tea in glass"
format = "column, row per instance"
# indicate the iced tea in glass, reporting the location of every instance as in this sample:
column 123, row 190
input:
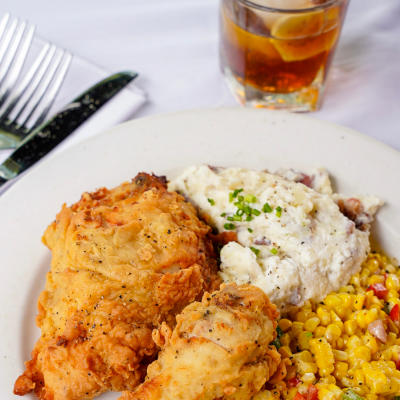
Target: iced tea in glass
column 277, row 53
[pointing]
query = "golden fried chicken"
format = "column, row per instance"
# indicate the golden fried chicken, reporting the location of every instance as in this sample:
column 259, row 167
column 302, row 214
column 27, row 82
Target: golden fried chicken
column 218, row 350
column 123, row 261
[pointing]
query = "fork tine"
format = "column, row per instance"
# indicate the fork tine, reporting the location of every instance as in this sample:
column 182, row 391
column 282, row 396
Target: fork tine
column 51, row 94
column 3, row 24
column 11, row 52
column 41, row 90
column 27, row 95
column 18, row 63
column 23, row 86
column 6, row 39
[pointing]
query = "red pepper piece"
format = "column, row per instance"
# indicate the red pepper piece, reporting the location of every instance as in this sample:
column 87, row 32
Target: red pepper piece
column 395, row 313
column 379, row 289
column 312, row 393
column 299, row 397
column 293, row 382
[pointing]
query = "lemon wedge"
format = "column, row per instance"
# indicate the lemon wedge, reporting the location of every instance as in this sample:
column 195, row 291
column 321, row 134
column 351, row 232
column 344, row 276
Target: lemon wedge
column 300, row 36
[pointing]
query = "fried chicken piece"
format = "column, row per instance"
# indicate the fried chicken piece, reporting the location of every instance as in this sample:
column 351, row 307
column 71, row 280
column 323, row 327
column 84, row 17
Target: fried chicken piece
column 218, row 350
column 123, row 261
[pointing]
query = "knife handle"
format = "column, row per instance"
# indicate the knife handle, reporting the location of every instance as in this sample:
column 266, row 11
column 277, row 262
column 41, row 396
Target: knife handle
column 47, row 136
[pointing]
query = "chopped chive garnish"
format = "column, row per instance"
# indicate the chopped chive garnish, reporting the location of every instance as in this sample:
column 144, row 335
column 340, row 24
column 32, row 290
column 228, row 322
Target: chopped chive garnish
column 211, row 201
column 237, row 218
column 249, row 218
column 239, row 212
column 240, row 198
column 255, row 212
column 350, row 395
column 229, row 226
column 250, row 230
column 279, row 332
column 231, row 197
column 274, row 251
column 278, row 211
column 247, row 210
column 386, row 308
column 276, row 343
column 267, row 208
column 236, row 192
column 230, row 218
column 223, row 215
column 308, row 334
column 255, row 251
column 250, row 198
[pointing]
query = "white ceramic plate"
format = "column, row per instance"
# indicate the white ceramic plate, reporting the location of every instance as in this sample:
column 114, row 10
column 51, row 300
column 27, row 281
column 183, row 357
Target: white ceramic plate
column 164, row 145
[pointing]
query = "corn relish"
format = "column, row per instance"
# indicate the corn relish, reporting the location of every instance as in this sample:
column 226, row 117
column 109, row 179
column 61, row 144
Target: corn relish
column 347, row 346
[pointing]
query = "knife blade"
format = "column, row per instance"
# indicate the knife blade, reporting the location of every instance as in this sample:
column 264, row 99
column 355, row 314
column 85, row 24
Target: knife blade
column 47, row 136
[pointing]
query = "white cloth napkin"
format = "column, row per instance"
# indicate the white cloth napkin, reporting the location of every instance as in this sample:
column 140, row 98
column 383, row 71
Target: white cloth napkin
column 81, row 75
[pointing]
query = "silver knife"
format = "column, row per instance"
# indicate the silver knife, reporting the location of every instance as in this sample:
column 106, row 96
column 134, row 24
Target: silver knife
column 47, row 136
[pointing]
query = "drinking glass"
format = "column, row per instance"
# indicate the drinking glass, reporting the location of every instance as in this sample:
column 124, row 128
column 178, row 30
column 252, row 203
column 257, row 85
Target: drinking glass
column 277, row 53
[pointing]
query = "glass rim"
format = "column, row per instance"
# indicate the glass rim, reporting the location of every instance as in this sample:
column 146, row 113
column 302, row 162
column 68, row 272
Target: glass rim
column 318, row 7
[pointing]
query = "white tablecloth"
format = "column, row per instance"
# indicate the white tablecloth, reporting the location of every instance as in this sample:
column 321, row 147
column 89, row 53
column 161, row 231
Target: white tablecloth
column 174, row 46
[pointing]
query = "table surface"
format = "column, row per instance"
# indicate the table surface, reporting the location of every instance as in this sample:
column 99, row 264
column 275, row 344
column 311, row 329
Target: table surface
column 174, row 46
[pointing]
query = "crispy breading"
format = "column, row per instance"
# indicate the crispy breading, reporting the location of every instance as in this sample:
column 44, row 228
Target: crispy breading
column 218, row 350
column 123, row 261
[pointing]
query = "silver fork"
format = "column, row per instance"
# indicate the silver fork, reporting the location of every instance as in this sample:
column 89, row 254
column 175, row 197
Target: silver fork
column 26, row 99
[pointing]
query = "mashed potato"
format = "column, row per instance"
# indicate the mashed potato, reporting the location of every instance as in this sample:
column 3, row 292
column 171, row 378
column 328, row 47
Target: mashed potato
column 293, row 239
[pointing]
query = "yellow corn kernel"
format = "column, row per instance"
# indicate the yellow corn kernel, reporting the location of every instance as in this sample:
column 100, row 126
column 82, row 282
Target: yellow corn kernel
column 285, row 339
column 361, row 318
column 304, row 339
column 304, row 315
column 386, row 354
column 329, row 392
column 358, row 377
column 376, row 279
column 323, row 353
column 362, row 353
column 308, row 378
column 353, row 341
column 341, row 369
column 355, row 280
column 340, row 343
column 304, row 363
column 347, row 289
column 320, row 331
column 391, row 339
column 391, row 268
column 350, row 327
column 393, row 282
column 285, row 324
column 346, row 303
column 311, row 324
column 285, row 351
column 332, row 333
column 297, row 328
column 331, row 301
column 335, row 319
column 370, row 342
column 371, row 315
column 340, row 355
column 358, row 301
column 375, row 378
column 330, row 379
column 392, row 295
column 373, row 264
column 324, row 315
column 291, row 393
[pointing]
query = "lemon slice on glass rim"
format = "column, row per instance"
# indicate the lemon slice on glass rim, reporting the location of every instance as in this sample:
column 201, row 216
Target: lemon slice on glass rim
column 300, row 36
